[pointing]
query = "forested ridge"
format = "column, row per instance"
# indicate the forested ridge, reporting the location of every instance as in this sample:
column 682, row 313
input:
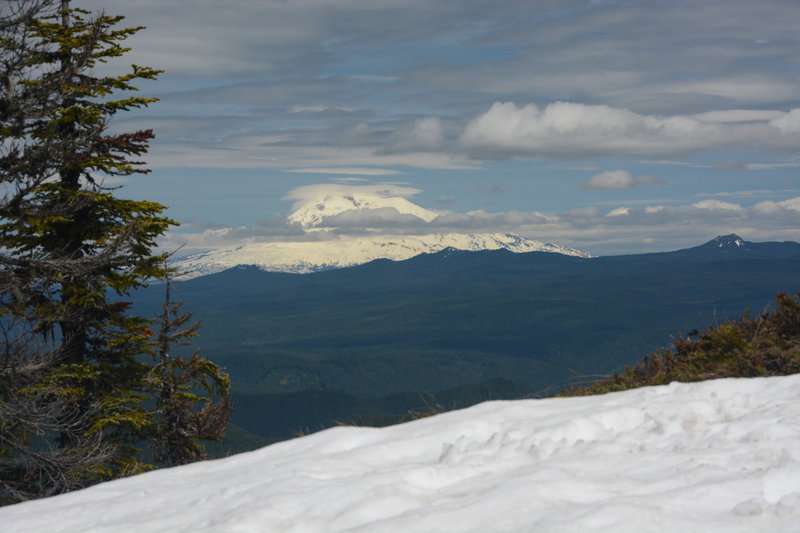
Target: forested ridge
column 376, row 341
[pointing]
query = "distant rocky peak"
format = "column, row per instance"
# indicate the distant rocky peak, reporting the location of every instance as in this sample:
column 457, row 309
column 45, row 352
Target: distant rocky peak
column 729, row 241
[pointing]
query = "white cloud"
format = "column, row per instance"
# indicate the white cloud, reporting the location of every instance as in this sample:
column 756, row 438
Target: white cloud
column 571, row 130
column 269, row 151
column 308, row 193
column 308, row 109
column 302, row 64
column 788, row 123
column 768, row 208
column 618, row 180
column 717, row 204
column 771, row 166
column 792, row 203
column 620, row 230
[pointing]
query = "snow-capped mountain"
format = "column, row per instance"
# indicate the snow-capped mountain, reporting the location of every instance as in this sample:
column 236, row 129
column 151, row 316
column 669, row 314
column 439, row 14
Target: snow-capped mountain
column 320, row 216
column 305, row 257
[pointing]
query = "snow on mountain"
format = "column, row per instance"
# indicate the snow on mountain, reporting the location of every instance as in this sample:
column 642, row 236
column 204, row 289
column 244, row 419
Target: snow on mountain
column 729, row 241
column 318, row 215
column 718, row 456
column 304, row 257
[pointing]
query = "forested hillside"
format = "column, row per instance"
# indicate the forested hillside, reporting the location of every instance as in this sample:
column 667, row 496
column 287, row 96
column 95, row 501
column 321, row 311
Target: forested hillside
column 455, row 319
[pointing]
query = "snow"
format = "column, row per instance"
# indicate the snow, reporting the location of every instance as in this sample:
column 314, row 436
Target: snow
column 726, row 241
column 305, row 257
column 718, row 456
column 364, row 206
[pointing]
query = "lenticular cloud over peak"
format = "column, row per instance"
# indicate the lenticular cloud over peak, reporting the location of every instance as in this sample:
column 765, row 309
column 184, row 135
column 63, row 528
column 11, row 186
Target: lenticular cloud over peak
column 721, row 456
column 318, row 203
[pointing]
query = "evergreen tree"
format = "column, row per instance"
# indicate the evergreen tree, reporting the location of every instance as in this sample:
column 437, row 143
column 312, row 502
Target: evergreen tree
column 73, row 382
column 184, row 416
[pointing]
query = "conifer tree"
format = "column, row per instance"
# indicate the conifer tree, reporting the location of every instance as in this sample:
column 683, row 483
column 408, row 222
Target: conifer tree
column 184, row 415
column 73, row 380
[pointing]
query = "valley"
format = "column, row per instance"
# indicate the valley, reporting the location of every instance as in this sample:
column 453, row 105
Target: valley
column 375, row 341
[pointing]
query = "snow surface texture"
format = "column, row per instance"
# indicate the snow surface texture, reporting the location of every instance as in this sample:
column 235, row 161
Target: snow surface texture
column 719, row 456
column 321, row 215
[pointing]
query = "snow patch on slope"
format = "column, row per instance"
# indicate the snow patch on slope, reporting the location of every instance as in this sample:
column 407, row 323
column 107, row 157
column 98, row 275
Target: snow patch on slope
column 729, row 241
column 721, row 456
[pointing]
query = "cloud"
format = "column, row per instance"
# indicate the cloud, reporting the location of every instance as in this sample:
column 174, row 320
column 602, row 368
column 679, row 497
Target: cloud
column 349, row 171
column 373, row 88
column 773, row 208
column 717, row 205
column 788, row 123
column 369, row 221
column 571, row 130
column 737, row 88
column 330, row 84
column 791, row 203
column 634, row 229
column 619, row 180
column 618, row 212
column 308, row 109
column 659, row 228
column 752, row 193
column 619, row 230
column 287, row 152
column 731, row 164
column 770, row 166
column 739, row 115
column 424, row 135
column 320, row 190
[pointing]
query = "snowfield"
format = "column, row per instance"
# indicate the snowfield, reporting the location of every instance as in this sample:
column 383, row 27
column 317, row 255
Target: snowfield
column 719, row 456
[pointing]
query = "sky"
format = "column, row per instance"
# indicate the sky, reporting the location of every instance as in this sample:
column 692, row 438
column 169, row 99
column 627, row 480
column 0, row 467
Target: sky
column 609, row 126
column 720, row 456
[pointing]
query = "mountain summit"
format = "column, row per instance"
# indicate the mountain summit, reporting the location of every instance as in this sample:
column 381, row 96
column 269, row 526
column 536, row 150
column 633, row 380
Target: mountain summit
column 729, row 241
column 731, row 246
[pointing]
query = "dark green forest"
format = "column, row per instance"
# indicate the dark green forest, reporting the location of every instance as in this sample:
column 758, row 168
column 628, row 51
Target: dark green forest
column 381, row 339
